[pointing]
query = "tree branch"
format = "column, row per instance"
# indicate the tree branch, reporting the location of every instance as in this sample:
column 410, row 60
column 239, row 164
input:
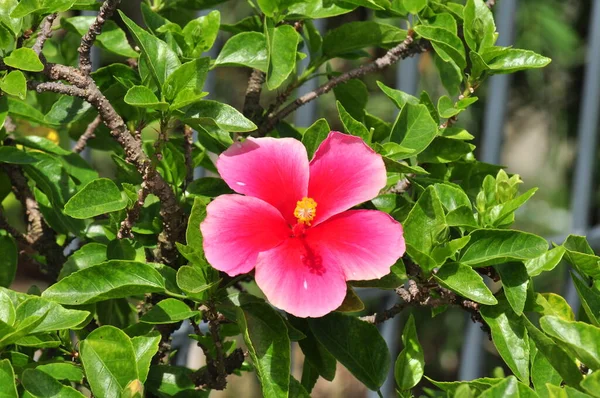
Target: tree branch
column 87, row 134
column 252, row 109
column 44, row 34
column 133, row 214
column 87, row 41
column 407, row 48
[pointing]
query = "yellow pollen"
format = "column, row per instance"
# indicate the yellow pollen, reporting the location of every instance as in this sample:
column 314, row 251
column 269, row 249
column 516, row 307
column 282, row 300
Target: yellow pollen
column 306, row 210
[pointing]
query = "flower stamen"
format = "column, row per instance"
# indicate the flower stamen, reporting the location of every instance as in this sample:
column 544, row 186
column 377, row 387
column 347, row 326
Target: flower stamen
column 306, row 210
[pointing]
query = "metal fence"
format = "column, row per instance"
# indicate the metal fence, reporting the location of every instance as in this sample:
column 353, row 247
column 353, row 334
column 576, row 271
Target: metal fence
column 407, row 77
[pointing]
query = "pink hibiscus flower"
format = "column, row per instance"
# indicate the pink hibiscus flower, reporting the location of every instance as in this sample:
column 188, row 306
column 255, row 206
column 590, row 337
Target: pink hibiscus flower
column 294, row 227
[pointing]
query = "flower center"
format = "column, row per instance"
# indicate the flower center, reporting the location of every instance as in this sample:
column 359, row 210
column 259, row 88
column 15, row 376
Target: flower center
column 306, row 210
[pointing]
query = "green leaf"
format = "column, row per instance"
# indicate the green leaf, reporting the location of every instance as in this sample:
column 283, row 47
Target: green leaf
column 63, row 371
column 98, row 197
column 7, row 309
column 581, row 338
column 193, row 237
column 112, row 279
column 171, row 381
column 590, row 299
column 446, row 107
column 145, row 347
column 354, row 36
column 542, row 372
column 425, row 222
column 479, row 28
column 112, row 38
column 315, row 9
column 25, row 59
column 56, row 317
column 564, row 392
column 67, row 109
column 414, row 6
column 553, row 304
column 160, row 59
column 24, row 110
column 545, row 262
column 465, row 281
column 195, row 282
column 414, row 129
column 245, row 49
column 410, row 363
column 266, row 336
column 496, row 246
column 561, row 361
column 281, row 54
column 510, row 338
column 591, row 383
column 351, row 303
column 143, row 97
column 478, row 385
column 351, row 125
column 355, row 344
column 314, row 135
column 209, row 186
column 515, row 282
column 42, row 385
column 400, row 98
column 188, row 79
column 168, row 311
column 107, row 356
column 580, row 255
column 87, row 256
column 14, row 83
column 511, row 60
column 446, row 44
column 321, row 360
column 7, row 380
column 218, row 114
column 509, row 387
column 445, row 150
column 450, row 74
column 8, row 260
column 497, row 214
column 200, row 33
column 452, row 196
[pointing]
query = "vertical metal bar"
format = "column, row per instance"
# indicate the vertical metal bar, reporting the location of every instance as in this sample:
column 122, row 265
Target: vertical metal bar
column 586, row 148
column 471, row 364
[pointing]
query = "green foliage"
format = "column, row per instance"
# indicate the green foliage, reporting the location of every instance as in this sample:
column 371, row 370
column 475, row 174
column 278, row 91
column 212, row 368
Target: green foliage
column 139, row 269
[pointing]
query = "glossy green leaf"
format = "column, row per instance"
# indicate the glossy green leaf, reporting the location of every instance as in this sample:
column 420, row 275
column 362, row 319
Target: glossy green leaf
column 112, row 37
column 353, row 95
column 354, row 36
column 87, row 256
column 564, row 392
column 510, row 338
column 145, row 347
column 355, row 344
column 11, row 154
column 581, row 256
column 201, row 33
column 560, row 360
column 591, row 384
column 321, row 360
column 465, row 281
column 351, row 125
column 479, row 27
column 314, row 135
column 590, row 299
column 41, row 385
column 445, row 150
column 499, row 213
column 545, row 262
column 553, row 304
column 143, row 97
column 281, row 54
column 410, row 363
column 8, row 260
column 414, row 6
column 581, row 338
column 24, row 58
column 496, row 246
column 7, row 380
column 478, row 385
column 316, row 9
column 193, row 237
column 266, row 336
column 107, row 356
column 63, row 371
column 56, row 317
column 171, row 381
column 512, row 60
column 100, row 196
column 218, row 114
column 186, row 80
column 159, row 57
column 209, row 186
column 452, row 196
column 414, row 129
column 14, row 83
column 112, row 279
column 509, row 387
column 27, row 7
column 400, row 98
column 245, row 49
column 447, row 44
column 450, row 74
column 67, row 109
column 22, row 109
column 196, row 282
column 168, row 311
column 542, row 372
column 7, row 309
column 515, row 282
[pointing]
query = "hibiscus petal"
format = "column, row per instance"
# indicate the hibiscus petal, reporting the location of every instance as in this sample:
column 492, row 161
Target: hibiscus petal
column 343, row 173
column 366, row 243
column 298, row 279
column 274, row 170
column 237, row 228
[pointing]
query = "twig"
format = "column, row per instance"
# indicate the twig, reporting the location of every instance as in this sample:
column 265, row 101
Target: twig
column 252, row 109
column 87, row 134
column 19, row 237
column 403, row 50
column 220, row 378
column 133, row 214
column 87, row 41
column 44, row 34
column 204, row 378
column 188, row 145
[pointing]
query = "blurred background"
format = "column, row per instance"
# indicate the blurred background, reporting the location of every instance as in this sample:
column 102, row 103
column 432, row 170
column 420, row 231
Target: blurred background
column 541, row 124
